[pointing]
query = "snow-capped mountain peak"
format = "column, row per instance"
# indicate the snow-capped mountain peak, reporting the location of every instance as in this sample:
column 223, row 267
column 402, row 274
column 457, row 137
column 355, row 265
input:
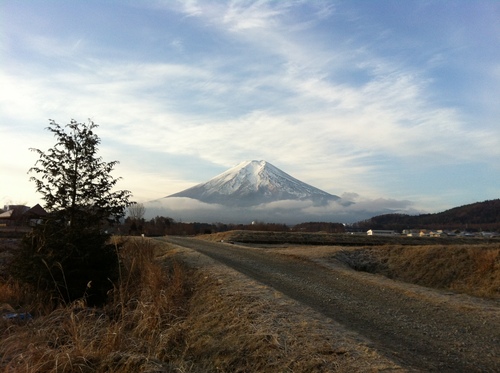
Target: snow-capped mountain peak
column 253, row 183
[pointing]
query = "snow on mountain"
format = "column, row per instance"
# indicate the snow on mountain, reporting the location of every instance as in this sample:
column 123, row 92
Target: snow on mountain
column 253, row 183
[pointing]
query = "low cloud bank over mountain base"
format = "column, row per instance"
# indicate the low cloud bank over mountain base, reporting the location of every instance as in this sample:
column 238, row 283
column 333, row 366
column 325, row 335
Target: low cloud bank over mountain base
column 286, row 211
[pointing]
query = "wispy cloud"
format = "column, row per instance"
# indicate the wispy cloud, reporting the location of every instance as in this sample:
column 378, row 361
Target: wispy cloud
column 325, row 90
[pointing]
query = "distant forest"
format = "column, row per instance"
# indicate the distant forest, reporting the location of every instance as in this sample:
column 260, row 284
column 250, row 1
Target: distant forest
column 160, row 225
column 479, row 216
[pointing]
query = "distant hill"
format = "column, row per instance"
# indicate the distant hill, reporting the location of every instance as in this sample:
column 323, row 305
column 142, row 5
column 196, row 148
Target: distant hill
column 479, row 216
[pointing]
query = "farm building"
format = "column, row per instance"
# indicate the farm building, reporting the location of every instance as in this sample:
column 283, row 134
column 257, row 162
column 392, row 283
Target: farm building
column 380, row 232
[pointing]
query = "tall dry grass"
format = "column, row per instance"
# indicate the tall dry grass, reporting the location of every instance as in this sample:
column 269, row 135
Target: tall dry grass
column 134, row 332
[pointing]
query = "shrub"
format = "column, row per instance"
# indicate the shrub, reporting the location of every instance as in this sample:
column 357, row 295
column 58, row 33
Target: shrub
column 66, row 264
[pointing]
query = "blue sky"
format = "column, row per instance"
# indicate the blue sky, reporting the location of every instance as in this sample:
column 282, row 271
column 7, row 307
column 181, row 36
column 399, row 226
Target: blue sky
column 392, row 101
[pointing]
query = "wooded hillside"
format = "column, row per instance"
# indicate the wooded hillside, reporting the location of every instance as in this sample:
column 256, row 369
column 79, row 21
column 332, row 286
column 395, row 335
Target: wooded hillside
column 479, row 216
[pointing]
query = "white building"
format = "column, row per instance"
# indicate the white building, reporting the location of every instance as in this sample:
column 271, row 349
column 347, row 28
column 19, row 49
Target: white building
column 380, row 232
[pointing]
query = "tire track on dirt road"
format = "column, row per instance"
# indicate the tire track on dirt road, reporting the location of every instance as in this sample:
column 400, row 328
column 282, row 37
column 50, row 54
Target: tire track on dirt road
column 418, row 334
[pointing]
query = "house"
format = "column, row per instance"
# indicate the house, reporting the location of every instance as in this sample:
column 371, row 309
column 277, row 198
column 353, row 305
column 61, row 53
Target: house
column 13, row 214
column 380, row 232
column 411, row 232
column 438, row 233
column 5, row 216
column 490, row 234
column 20, row 215
column 34, row 215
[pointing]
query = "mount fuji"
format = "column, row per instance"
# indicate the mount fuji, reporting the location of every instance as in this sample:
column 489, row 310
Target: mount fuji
column 254, row 183
column 257, row 190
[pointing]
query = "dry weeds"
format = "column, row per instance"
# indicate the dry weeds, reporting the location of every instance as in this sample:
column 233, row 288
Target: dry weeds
column 131, row 334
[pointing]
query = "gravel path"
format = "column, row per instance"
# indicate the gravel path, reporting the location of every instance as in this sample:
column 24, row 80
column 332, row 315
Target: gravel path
column 417, row 332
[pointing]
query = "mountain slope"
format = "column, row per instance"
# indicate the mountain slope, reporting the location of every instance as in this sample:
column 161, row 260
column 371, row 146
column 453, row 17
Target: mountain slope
column 253, row 183
column 477, row 216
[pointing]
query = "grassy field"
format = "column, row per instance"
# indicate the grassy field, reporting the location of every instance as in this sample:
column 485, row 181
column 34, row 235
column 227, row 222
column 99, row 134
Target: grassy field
column 165, row 317
column 337, row 239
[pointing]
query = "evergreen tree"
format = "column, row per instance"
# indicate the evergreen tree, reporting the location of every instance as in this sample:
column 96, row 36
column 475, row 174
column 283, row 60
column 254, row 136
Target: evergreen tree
column 68, row 256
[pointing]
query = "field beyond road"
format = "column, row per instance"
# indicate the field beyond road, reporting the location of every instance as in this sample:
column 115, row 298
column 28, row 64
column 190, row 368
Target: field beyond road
column 416, row 327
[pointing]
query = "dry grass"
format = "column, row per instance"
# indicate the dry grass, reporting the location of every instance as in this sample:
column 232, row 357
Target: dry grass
column 12, row 293
column 165, row 317
column 133, row 333
column 471, row 269
column 239, row 333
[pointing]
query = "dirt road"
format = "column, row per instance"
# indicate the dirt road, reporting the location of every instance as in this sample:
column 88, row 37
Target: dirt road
column 421, row 333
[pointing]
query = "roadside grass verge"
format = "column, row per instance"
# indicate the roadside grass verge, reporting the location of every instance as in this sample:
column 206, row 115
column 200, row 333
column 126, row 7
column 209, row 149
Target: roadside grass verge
column 237, row 324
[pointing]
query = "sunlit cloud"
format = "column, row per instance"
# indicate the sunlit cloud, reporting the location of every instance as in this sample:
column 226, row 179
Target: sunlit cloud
column 330, row 92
